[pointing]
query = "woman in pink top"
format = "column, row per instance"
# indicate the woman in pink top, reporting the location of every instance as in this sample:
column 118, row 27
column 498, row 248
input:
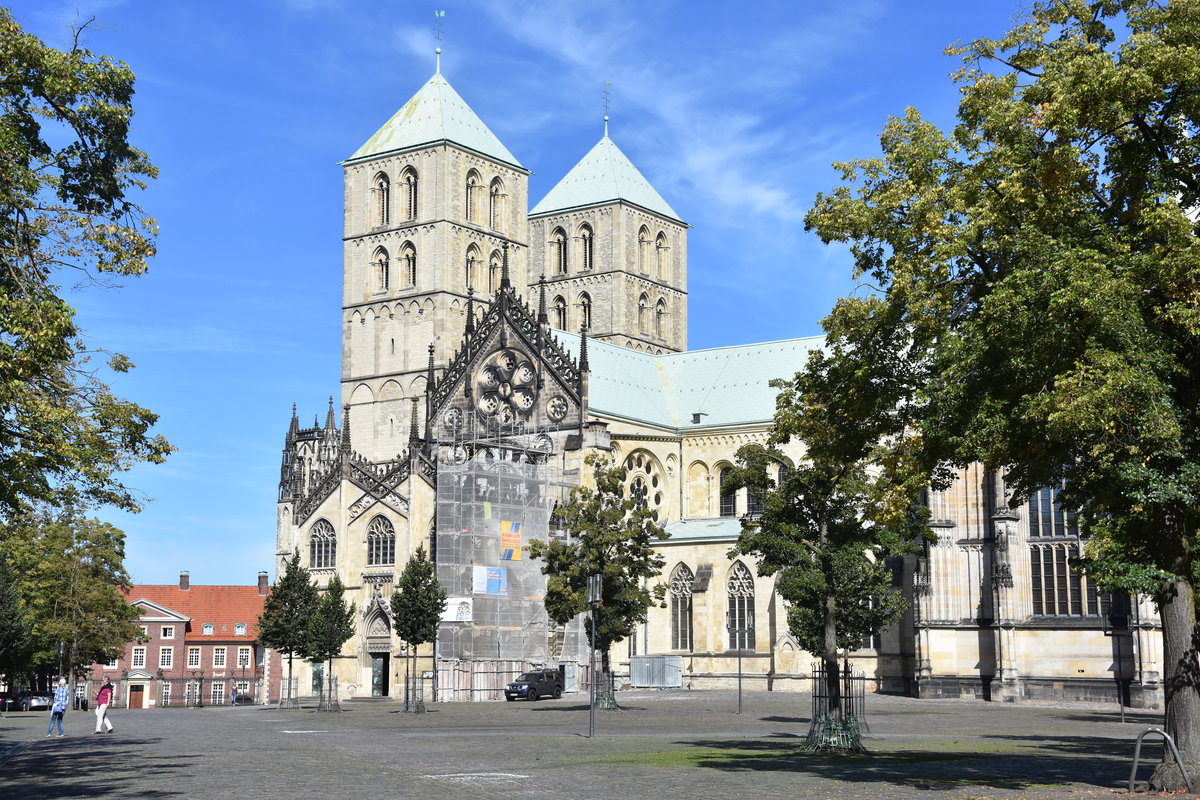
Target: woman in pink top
column 102, row 700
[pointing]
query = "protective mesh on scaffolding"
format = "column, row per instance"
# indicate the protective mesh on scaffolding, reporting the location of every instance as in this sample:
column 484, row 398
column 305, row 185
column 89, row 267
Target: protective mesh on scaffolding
column 489, row 507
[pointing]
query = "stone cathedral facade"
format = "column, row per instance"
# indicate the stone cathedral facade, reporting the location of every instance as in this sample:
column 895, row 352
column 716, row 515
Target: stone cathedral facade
column 490, row 346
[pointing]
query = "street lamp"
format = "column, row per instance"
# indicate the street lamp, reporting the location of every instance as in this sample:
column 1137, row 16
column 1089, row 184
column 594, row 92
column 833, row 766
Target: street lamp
column 595, row 598
column 738, row 635
column 243, row 662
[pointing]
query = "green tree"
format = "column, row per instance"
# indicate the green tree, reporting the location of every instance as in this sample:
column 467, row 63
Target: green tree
column 66, row 172
column 1040, row 262
column 287, row 611
column 417, row 606
column 332, row 623
column 611, row 535
column 829, row 523
column 14, row 630
column 71, row 578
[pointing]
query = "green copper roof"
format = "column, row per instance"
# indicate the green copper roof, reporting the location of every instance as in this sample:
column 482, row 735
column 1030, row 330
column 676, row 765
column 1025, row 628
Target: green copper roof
column 725, row 385
column 604, row 175
column 435, row 114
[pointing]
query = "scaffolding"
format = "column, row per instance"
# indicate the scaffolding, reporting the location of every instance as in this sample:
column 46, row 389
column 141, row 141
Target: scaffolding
column 496, row 492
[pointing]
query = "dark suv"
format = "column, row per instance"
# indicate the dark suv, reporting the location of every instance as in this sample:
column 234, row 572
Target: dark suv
column 535, row 684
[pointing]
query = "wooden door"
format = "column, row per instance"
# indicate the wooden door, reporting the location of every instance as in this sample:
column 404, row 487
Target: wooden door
column 135, row 696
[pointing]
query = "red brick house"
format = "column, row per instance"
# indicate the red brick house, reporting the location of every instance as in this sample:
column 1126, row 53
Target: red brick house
column 200, row 645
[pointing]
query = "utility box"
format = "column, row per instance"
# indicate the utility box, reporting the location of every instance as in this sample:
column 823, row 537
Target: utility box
column 656, row 672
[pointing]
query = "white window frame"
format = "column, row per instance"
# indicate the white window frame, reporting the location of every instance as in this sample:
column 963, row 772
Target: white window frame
column 217, row 695
column 239, row 629
column 218, row 661
column 244, row 651
column 166, row 657
column 193, row 657
column 168, row 632
column 138, row 661
column 208, row 629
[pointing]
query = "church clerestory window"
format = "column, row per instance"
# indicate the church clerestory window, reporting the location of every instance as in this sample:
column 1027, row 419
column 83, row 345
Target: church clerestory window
column 662, row 264
column 471, row 263
column 381, row 542
column 560, row 313
column 660, row 318
column 495, row 201
column 322, row 546
column 408, row 261
column 728, row 496
column 643, row 249
column 586, row 247
column 643, row 311
column 472, row 190
column 494, row 270
column 585, row 310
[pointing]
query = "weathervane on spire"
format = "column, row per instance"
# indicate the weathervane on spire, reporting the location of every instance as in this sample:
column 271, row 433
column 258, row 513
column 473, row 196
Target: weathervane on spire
column 606, row 98
column 439, row 35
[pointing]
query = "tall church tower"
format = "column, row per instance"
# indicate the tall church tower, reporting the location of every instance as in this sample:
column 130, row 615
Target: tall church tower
column 613, row 253
column 433, row 202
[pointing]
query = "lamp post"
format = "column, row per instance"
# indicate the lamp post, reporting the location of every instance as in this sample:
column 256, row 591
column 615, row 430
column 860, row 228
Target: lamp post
column 243, row 662
column 595, row 600
column 738, row 635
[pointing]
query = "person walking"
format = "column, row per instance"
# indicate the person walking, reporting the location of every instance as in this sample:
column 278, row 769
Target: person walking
column 62, row 696
column 103, row 698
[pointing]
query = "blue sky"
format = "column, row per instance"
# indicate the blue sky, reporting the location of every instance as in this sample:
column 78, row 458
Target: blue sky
column 733, row 112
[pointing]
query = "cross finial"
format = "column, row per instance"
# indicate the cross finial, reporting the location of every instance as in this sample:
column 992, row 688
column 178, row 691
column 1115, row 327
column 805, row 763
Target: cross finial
column 607, row 84
column 438, row 34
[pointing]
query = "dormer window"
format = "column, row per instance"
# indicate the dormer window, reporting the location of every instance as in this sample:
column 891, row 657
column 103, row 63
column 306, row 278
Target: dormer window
column 208, row 629
column 239, row 629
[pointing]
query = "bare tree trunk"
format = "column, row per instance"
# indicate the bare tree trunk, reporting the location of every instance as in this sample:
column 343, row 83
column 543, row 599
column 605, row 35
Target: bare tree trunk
column 829, row 656
column 1181, row 686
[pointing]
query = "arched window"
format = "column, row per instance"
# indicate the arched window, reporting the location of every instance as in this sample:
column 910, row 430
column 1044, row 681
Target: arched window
column 495, row 200
column 643, row 310
column 472, row 189
column 727, row 496
column 681, row 608
column 643, row 249
column 740, row 618
column 469, row 267
column 409, row 179
column 322, row 546
column 586, row 248
column 408, row 259
column 558, row 251
column 382, row 270
column 755, row 500
column 662, row 264
column 585, row 310
column 660, row 317
column 560, row 313
column 494, row 270
column 382, row 192
column 381, row 542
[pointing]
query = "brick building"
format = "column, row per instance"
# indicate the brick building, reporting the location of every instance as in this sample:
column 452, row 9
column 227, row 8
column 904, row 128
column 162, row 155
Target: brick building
column 200, row 644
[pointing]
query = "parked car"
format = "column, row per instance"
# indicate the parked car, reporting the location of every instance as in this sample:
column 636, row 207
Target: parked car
column 28, row 700
column 6, row 701
column 535, row 684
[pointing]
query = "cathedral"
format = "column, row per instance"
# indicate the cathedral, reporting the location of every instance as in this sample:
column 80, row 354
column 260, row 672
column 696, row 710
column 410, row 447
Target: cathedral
column 488, row 347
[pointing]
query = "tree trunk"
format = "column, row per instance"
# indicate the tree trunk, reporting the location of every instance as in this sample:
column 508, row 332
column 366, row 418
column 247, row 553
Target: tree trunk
column 288, row 701
column 1181, row 685
column 829, row 656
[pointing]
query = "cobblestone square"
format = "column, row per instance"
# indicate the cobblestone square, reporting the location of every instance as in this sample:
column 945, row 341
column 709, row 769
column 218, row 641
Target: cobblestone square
column 660, row 745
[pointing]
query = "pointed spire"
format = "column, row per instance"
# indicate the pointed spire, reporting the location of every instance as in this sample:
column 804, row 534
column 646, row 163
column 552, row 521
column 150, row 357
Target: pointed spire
column 429, row 398
column 329, row 415
column 429, row 373
column 504, row 282
column 294, row 427
column 470, row 311
column 346, row 429
column 542, row 318
column 583, row 359
column 413, row 431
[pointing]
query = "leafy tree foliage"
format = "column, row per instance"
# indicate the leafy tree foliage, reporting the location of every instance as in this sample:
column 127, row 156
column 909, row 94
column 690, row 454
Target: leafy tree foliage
column 418, row 603
column 1040, row 263
column 65, row 177
column 609, row 534
column 287, row 612
column 70, row 576
column 331, row 624
column 14, row 630
column 829, row 522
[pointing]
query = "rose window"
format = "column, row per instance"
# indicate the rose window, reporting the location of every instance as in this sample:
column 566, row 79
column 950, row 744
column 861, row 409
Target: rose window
column 506, row 387
column 644, row 483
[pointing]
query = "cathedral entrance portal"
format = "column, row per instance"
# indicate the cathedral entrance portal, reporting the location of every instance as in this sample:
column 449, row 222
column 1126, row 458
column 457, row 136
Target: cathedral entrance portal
column 379, row 674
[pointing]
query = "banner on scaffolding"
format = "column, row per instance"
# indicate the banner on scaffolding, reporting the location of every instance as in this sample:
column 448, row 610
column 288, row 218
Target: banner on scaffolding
column 510, row 541
column 490, row 580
